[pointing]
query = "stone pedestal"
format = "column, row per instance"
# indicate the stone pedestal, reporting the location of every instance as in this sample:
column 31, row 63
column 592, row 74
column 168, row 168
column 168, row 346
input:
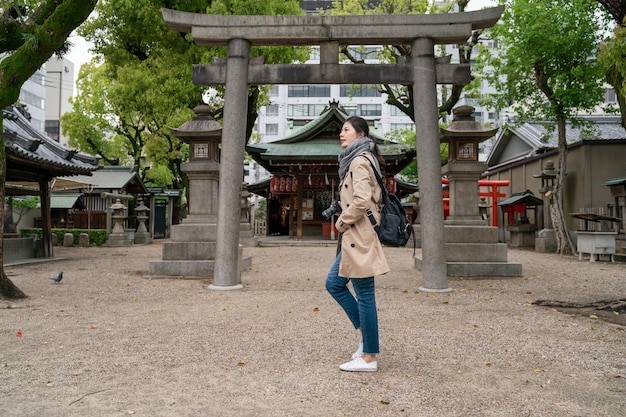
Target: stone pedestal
column 545, row 242
column 191, row 253
column 522, row 235
column 463, row 179
column 474, row 252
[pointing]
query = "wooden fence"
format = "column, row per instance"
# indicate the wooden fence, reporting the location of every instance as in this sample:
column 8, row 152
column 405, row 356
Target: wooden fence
column 259, row 227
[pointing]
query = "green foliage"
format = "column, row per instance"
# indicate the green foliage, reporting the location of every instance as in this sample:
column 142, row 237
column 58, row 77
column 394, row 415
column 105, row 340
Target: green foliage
column 97, row 237
column 260, row 213
column 126, row 106
column 545, row 64
column 23, row 202
column 611, row 54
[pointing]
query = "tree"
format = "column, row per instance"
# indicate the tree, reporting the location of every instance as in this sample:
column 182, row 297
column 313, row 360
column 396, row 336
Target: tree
column 125, row 106
column 398, row 95
column 30, row 32
column 612, row 50
column 545, row 70
column 22, row 205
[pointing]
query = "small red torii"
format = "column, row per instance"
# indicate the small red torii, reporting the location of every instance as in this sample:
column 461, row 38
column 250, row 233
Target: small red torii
column 493, row 193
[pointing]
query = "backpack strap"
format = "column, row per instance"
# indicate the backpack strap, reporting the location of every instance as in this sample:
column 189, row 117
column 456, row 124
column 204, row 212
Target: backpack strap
column 369, row 213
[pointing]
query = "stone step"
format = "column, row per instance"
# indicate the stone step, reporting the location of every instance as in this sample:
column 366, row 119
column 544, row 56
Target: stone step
column 484, row 269
column 190, row 269
column 469, row 252
column 194, row 233
column 479, row 269
column 463, row 234
column 188, row 251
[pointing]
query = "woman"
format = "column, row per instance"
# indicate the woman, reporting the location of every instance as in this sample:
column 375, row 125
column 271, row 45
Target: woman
column 361, row 255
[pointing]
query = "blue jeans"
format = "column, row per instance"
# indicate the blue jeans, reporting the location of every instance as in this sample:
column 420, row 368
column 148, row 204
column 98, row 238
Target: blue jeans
column 361, row 310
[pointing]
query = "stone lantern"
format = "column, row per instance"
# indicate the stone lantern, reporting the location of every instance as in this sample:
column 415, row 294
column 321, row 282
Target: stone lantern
column 204, row 135
column 463, row 168
column 472, row 248
column 117, row 236
column 142, row 236
column 192, row 248
column 546, row 241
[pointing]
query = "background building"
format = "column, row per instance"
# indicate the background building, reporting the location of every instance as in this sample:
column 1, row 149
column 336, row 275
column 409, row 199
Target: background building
column 59, row 83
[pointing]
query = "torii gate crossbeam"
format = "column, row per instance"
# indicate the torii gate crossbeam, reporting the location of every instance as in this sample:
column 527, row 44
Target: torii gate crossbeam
column 421, row 70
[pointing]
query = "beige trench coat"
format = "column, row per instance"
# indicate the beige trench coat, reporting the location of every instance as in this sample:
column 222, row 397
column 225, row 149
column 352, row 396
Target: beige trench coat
column 361, row 252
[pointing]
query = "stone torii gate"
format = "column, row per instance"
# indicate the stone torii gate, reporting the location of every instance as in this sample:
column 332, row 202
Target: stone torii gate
column 421, row 70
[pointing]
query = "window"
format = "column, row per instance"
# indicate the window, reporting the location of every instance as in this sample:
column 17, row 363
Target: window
column 370, row 109
column 274, row 91
column 394, row 111
column 364, row 110
column 201, row 150
column 402, row 126
column 491, row 116
column 365, row 52
column 52, row 129
column 271, row 110
column 32, row 99
column 359, row 91
column 304, row 110
column 610, row 96
column 271, row 129
column 308, row 91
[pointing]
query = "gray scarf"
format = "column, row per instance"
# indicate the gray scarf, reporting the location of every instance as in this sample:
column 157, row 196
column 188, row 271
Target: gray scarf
column 354, row 149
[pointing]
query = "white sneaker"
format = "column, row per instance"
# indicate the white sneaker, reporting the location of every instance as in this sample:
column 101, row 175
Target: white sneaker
column 359, row 351
column 359, row 365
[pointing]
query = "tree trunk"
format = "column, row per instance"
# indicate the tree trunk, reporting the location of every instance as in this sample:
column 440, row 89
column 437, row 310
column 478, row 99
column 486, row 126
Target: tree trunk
column 7, row 288
column 54, row 24
column 563, row 238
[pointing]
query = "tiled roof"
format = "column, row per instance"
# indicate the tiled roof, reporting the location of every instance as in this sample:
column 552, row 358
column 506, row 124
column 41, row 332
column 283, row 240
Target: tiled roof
column 540, row 137
column 23, row 142
column 114, row 178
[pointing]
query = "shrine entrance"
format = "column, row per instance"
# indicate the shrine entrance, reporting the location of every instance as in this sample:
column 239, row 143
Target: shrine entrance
column 421, row 70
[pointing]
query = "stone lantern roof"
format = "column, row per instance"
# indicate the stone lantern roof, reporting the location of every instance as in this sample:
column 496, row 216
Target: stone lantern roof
column 464, row 126
column 201, row 126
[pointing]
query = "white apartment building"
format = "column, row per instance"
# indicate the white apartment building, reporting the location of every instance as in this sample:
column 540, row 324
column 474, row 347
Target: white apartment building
column 59, row 88
column 33, row 96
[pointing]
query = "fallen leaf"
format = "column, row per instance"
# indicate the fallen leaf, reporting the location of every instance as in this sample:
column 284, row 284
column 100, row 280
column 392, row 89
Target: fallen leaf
column 241, row 364
column 593, row 316
column 316, row 309
column 487, row 364
column 382, row 401
column 405, row 291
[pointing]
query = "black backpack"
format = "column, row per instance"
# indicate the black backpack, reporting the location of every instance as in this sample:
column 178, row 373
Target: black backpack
column 394, row 228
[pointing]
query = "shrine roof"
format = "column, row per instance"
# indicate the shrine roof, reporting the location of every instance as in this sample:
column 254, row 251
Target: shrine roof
column 31, row 153
column 521, row 197
column 115, row 178
column 317, row 142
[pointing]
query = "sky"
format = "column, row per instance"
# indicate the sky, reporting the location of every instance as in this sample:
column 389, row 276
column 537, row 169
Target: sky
column 79, row 53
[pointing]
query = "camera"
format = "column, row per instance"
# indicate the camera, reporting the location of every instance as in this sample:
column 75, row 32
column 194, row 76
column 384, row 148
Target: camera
column 334, row 208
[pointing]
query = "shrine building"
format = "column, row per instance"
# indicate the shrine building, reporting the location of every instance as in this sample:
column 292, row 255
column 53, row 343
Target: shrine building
column 304, row 169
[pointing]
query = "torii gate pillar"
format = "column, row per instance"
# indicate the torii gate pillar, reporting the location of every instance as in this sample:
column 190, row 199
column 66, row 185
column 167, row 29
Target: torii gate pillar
column 227, row 275
column 435, row 276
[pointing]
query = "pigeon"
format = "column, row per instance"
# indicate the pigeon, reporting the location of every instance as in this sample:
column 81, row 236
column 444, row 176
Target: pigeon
column 58, row 277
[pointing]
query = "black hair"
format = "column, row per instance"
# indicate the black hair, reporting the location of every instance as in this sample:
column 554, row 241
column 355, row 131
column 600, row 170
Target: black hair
column 360, row 126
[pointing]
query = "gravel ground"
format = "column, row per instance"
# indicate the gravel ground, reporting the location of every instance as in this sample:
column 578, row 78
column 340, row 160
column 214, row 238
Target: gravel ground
column 110, row 341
